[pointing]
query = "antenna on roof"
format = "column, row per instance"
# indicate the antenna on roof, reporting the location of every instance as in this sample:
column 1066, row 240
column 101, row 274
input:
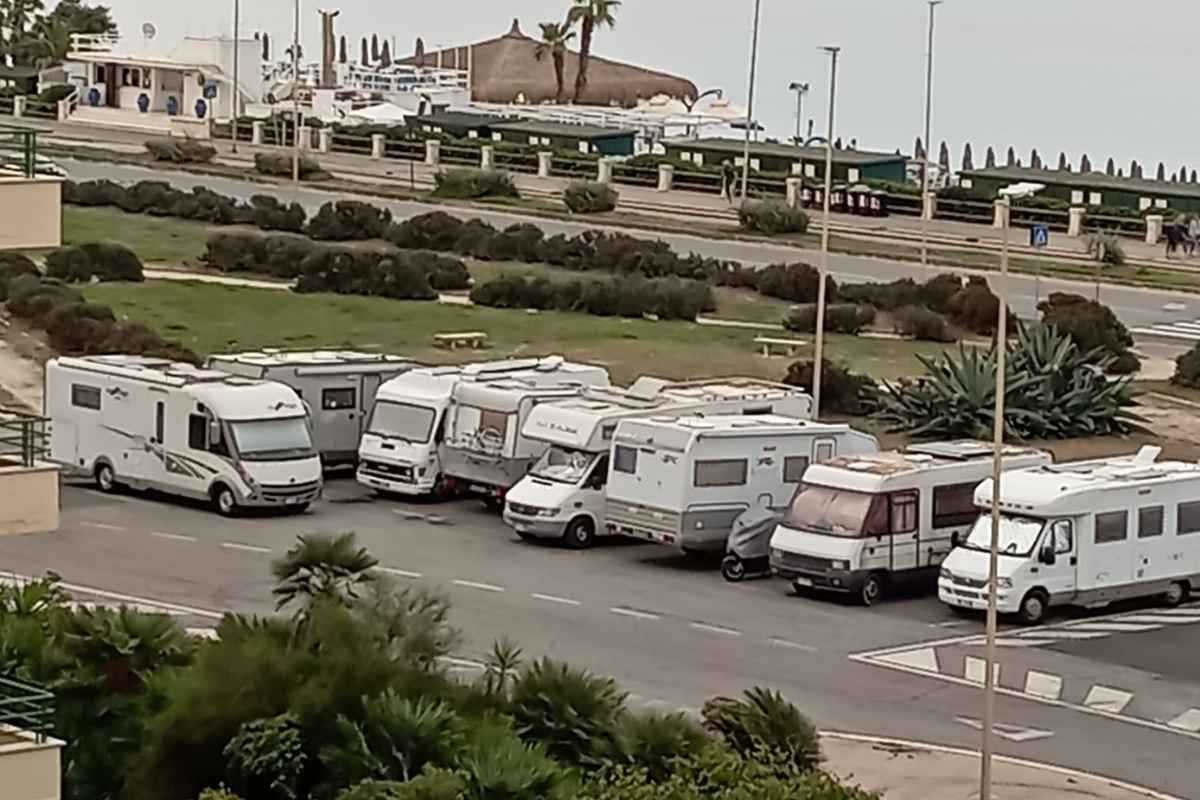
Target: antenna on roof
column 1147, row 455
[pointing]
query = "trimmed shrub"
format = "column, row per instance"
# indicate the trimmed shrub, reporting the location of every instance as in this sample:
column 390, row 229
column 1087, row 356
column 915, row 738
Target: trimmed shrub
column 938, row 291
column 923, row 323
column 518, row 242
column 771, row 217
column 12, row 266
column 975, row 308
column 884, row 296
column 78, row 327
column 839, row 318
column 795, row 282
column 281, row 165
column 1124, row 363
column 436, row 230
column 400, row 276
column 69, row 264
column 590, row 197
column 842, row 391
column 474, row 239
column 181, row 151
column 104, row 261
column 271, row 215
column 444, row 274
column 1187, row 369
column 349, row 219
column 32, row 298
column 665, row 298
column 471, row 184
column 1094, row 328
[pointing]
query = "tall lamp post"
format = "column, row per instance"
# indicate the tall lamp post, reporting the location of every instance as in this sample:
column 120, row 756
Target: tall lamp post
column 933, row 4
column 237, row 18
column 750, row 102
column 819, row 349
column 1007, row 194
column 800, row 89
column 296, row 94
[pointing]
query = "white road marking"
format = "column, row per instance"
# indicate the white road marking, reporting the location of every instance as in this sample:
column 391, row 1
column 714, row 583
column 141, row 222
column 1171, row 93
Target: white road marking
column 1049, row 634
column 1187, row 721
column 103, row 526
column 1191, row 612
column 403, row 573
column 1014, row 733
column 550, row 598
column 629, row 612
column 483, row 587
column 1043, row 684
column 1113, row 627
column 1160, row 618
column 175, row 537
column 924, row 659
column 704, row 626
column 807, row 648
column 1174, row 307
column 1018, row 642
column 249, row 548
column 974, row 670
column 1107, row 699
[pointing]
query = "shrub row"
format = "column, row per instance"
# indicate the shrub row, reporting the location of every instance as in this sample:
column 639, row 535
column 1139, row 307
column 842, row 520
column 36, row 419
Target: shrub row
column 12, row 266
column 665, row 298
column 104, row 261
column 181, row 151
column 473, row 184
column 282, row 165
column 771, row 217
column 77, row 327
column 839, row 318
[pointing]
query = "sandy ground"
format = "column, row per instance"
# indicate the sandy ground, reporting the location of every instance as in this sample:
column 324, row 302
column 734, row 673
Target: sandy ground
column 22, row 354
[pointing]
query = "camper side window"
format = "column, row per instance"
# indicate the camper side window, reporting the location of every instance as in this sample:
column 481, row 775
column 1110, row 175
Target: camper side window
column 793, row 468
column 494, row 422
column 1150, row 522
column 1189, row 518
column 954, row 505
column 1063, row 537
column 1111, row 527
column 904, row 512
column 85, row 396
column 198, row 432
column 723, row 472
column 625, row 459
column 338, row 399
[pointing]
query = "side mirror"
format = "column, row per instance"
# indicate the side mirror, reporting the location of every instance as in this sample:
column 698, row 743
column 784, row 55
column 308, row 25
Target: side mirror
column 1047, row 556
column 954, row 539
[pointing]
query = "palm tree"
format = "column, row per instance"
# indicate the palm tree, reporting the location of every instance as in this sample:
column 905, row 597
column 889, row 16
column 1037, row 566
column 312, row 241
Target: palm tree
column 764, row 720
column 52, row 42
column 591, row 15
column 322, row 566
column 116, row 651
column 555, row 37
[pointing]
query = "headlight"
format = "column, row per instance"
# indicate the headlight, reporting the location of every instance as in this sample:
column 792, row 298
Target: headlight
column 1004, row 583
column 776, row 553
column 945, row 573
column 548, row 512
column 840, row 564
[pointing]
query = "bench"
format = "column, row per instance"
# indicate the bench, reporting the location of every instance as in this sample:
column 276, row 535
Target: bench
column 473, row 339
column 789, row 346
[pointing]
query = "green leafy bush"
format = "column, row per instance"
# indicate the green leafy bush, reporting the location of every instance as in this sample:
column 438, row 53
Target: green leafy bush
column 771, row 217
column 266, row 757
column 281, row 165
column 1187, row 369
column 570, row 711
column 975, row 308
column 665, row 298
column 842, row 391
column 471, row 184
column 923, row 324
column 653, row 741
column 795, row 282
column 590, row 197
column 181, row 151
column 349, row 219
column 433, row 785
column 764, row 720
column 839, row 318
column 102, row 261
column 1094, row 328
column 271, row 215
column 12, row 266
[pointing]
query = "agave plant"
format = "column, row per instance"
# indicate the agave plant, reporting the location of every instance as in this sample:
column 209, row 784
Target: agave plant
column 1053, row 390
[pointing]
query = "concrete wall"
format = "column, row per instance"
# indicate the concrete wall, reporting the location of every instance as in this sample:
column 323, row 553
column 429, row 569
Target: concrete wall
column 30, row 504
column 30, row 213
column 29, row 770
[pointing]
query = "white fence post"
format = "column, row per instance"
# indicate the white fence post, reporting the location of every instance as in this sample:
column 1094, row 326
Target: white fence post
column 1154, row 228
column 545, row 159
column 487, row 157
column 325, row 140
column 666, row 177
column 19, row 105
column 998, row 216
column 1075, row 221
column 433, row 152
column 378, row 145
column 256, row 132
column 604, row 171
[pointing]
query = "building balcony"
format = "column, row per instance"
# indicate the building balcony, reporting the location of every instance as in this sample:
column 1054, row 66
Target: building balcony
column 29, row 757
column 28, row 482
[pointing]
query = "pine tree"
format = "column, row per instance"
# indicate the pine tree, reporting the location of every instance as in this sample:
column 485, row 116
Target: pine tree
column 1141, row 171
column 342, row 50
column 968, row 161
column 1111, row 167
column 1012, row 158
column 1085, row 164
column 1194, row 176
column 364, row 56
column 385, row 56
column 1161, row 175
column 918, row 150
column 1133, row 168
column 944, row 157
column 266, row 47
column 1120, row 172
column 374, row 49
column 990, row 161
column 1063, row 166
column 1183, row 174
column 1035, row 160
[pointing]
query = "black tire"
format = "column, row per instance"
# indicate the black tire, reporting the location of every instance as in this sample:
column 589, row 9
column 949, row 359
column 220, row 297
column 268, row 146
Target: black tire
column 580, row 533
column 733, row 569
column 106, row 478
column 493, row 503
column 1033, row 607
column 1177, row 594
column 298, row 509
column 526, row 537
column 873, row 589
column 224, row 500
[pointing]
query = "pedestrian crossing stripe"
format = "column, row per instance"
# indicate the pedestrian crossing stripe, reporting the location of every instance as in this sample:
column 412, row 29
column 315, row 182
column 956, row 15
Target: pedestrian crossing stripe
column 1188, row 330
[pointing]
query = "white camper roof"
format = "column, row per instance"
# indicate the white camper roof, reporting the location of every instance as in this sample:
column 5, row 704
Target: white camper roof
column 435, row 384
column 507, row 395
column 1071, row 488
column 897, row 469
column 229, row 396
column 431, row 384
column 679, row 432
column 314, row 362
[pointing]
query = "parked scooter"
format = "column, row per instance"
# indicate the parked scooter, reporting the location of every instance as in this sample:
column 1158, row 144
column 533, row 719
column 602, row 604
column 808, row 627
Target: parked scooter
column 748, row 547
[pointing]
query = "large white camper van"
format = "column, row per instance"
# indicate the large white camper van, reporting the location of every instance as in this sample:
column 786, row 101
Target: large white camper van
column 338, row 386
column 401, row 447
column 564, row 494
column 1084, row 533
column 683, row 482
column 859, row 524
column 151, row 423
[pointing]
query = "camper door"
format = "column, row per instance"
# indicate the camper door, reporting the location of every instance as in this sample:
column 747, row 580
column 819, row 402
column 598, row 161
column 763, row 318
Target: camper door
column 338, row 417
column 1107, row 559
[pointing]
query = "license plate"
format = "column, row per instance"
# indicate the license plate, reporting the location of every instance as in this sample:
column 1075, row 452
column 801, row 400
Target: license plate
column 803, row 581
column 520, row 528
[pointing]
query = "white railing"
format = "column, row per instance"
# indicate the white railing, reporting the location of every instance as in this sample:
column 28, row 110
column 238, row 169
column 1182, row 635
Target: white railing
column 94, row 42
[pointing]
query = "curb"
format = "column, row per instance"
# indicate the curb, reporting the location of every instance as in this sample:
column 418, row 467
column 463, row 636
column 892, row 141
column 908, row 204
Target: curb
column 1152, row 794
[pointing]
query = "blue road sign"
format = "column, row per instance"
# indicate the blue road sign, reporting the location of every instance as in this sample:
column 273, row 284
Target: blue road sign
column 1039, row 236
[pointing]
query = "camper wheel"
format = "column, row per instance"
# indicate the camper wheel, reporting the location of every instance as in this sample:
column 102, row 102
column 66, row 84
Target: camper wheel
column 106, row 479
column 1033, row 607
column 224, row 500
column 733, row 569
column 1177, row 593
column 872, row 589
column 580, row 533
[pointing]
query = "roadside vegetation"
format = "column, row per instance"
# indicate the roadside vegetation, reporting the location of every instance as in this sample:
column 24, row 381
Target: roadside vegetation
column 345, row 696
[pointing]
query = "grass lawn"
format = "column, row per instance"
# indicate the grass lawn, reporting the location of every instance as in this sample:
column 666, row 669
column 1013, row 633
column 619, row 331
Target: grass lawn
column 161, row 240
column 215, row 318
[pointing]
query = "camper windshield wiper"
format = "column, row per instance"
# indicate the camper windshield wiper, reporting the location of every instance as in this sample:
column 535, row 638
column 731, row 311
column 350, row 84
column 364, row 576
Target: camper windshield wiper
column 282, row 454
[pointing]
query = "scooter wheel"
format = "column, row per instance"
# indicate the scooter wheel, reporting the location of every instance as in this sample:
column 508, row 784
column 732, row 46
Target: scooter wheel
column 733, row 569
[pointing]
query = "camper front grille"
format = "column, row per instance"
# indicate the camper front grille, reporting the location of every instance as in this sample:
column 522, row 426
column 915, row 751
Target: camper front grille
column 392, row 471
column 971, row 583
column 291, row 491
column 803, row 563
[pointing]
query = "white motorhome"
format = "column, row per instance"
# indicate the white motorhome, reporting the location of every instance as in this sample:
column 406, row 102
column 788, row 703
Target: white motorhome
column 684, row 482
column 401, row 447
column 1084, row 533
column 486, row 450
column 860, row 524
column 151, row 423
column 338, row 386
column 564, row 494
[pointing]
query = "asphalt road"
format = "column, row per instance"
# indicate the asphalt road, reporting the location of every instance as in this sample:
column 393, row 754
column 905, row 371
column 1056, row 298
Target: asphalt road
column 672, row 631
column 1136, row 307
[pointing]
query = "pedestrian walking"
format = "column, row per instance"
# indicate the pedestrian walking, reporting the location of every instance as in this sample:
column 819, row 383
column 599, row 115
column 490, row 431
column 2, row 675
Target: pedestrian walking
column 728, row 180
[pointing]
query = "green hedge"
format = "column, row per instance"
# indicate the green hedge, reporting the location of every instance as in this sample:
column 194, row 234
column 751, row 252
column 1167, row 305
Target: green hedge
column 473, row 184
column 664, row 298
column 104, row 261
column 590, row 197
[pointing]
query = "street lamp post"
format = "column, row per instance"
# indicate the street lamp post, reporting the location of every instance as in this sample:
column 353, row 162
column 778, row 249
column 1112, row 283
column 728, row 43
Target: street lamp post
column 933, row 4
column 750, row 102
column 800, row 89
column 819, row 332
column 296, row 94
column 989, row 680
column 237, row 18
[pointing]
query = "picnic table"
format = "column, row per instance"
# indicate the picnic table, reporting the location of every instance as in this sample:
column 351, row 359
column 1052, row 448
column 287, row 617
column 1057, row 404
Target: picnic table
column 788, row 346
column 472, row 339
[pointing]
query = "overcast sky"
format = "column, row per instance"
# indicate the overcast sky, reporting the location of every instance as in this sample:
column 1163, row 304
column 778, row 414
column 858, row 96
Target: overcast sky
column 1101, row 77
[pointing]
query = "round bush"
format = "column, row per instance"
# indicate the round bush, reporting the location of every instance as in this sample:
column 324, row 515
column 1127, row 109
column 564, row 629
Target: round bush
column 771, row 217
column 923, row 324
column 839, row 318
column 590, row 197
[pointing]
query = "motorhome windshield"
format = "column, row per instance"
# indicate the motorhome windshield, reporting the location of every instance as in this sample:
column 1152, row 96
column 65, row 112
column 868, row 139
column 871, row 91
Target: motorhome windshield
column 563, row 466
column 272, row 439
column 1018, row 535
column 836, row 512
column 402, row 421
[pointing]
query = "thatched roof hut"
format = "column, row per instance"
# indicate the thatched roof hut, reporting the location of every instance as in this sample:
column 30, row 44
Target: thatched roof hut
column 504, row 70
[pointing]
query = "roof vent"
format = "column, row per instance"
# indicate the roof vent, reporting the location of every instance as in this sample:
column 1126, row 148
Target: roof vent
column 1147, row 455
column 647, row 387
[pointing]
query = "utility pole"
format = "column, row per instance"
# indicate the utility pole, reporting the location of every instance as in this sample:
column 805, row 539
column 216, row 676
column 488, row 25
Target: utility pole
column 800, row 89
column 237, row 14
column 750, row 102
column 296, row 95
column 819, row 348
column 933, row 4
